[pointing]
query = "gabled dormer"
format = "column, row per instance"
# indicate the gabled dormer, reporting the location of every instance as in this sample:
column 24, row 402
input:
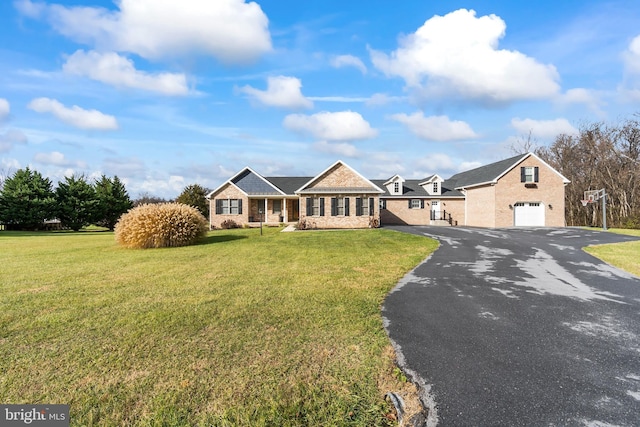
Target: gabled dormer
column 394, row 185
column 433, row 185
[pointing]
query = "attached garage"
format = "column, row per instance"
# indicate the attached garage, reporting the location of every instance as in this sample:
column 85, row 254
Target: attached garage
column 529, row 214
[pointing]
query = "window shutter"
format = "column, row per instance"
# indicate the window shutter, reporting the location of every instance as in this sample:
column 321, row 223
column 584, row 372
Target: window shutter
column 409, row 203
column 422, row 204
column 239, row 206
column 535, row 174
column 383, row 203
column 371, row 206
column 334, row 208
column 218, row 206
column 346, row 206
column 358, row 206
column 321, row 206
column 523, row 177
column 309, row 206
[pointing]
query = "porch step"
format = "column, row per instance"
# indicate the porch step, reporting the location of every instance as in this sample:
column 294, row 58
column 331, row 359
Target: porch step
column 440, row 223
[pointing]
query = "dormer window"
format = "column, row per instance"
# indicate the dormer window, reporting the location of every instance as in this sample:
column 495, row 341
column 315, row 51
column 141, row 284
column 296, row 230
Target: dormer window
column 396, row 187
column 435, row 187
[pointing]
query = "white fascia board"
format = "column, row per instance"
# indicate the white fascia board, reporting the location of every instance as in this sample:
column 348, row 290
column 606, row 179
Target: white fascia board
column 465, row 187
column 395, row 178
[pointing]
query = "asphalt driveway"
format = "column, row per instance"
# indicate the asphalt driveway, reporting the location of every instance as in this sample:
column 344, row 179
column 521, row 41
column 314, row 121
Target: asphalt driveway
column 514, row 327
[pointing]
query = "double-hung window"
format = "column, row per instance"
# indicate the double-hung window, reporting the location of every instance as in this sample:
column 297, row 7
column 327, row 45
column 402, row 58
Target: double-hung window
column 435, row 187
column 228, row 206
column 315, row 206
column 339, row 206
column 234, row 206
column 529, row 174
column 416, row 203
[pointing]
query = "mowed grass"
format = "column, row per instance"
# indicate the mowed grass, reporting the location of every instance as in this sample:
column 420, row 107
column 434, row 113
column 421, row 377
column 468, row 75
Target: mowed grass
column 625, row 256
column 282, row 329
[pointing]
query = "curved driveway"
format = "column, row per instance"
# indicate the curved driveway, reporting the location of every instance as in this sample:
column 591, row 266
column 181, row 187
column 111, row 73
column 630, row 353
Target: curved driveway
column 510, row 327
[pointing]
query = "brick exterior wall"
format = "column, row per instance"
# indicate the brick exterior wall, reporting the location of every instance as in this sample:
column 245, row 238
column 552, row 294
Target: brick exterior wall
column 480, row 206
column 329, row 221
column 549, row 190
column 455, row 207
column 229, row 192
column 339, row 176
column 399, row 213
column 488, row 206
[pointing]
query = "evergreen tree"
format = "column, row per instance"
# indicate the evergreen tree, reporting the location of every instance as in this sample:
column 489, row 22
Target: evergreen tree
column 195, row 195
column 76, row 203
column 113, row 201
column 26, row 200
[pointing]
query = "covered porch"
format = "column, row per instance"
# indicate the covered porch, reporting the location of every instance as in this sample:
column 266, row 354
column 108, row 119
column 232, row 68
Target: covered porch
column 273, row 210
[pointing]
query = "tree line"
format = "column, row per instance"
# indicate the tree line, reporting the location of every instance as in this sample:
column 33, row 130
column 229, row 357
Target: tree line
column 601, row 156
column 28, row 199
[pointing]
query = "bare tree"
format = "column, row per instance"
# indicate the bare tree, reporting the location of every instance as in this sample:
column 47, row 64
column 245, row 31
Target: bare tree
column 524, row 144
column 600, row 156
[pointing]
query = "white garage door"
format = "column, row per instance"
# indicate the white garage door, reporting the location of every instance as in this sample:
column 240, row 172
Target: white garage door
column 529, row 214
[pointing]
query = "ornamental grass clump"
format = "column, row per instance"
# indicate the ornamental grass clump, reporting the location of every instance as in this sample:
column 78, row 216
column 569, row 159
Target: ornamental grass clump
column 160, row 226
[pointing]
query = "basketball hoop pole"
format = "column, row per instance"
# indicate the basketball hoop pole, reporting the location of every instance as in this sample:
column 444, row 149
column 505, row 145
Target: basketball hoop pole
column 604, row 210
column 591, row 196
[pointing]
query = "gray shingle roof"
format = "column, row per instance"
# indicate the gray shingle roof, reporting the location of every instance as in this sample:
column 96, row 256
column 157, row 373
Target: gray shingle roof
column 412, row 188
column 253, row 184
column 289, row 184
column 485, row 173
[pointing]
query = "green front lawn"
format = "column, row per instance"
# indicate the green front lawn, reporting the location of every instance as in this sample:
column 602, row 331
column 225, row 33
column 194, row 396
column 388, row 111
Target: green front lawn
column 279, row 329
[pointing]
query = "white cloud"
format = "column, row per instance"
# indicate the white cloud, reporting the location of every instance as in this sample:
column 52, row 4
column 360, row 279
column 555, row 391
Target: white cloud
column 467, row 166
column 118, row 71
column 630, row 86
column 344, row 99
column 339, row 126
column 348, row 61
column 581, row 96
column 339, row 148
column 281, row 92
column 55, row 158
column 74, row 116
column 457, row 54
column 544, row 128
column 632, row 56
column 378, row 99
column 230, row 30
column 164, row 187
column 5, row 109
column 10, row 138
column 29, row 9
column 436, row 161
column 123, row 167
column 435, row 128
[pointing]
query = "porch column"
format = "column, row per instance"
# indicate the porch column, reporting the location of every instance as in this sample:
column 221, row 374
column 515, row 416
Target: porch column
column 265, row 211
column 285, row 214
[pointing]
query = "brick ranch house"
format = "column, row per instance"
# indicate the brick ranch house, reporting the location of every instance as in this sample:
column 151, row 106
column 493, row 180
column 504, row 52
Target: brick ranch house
column 518, row 191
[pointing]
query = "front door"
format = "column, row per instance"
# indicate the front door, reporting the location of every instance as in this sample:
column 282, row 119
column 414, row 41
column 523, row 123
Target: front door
column 435, row 209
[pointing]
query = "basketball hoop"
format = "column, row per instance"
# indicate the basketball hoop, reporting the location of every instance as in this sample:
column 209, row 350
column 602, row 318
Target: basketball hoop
column 590, row 196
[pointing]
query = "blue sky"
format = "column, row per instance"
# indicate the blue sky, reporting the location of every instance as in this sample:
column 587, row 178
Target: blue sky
column 165, row 93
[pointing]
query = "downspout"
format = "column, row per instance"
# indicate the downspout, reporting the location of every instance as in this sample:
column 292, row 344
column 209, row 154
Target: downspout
column 464, row 192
